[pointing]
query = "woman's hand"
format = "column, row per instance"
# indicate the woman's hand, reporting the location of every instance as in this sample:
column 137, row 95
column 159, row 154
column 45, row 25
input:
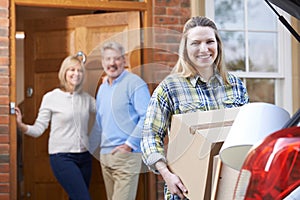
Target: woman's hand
column 18, row 115
column 172, row 180
column 20, row 124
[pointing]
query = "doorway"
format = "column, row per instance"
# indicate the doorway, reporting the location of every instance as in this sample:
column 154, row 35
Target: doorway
column 36, row 13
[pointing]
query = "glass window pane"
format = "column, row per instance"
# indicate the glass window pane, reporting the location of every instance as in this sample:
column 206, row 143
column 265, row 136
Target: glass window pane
column 261, row 90
column 234, row 50
column 260, row 16
column 229, row 14
column 262, row 52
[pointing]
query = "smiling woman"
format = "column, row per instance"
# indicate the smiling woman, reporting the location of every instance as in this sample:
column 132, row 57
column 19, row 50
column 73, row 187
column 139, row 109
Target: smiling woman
column 198, row 82
column 71, row 74
column 68, row 109
column 202, row 50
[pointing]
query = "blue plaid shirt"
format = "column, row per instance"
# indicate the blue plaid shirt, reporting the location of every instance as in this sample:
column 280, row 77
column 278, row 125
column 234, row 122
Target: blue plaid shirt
column 178, row 95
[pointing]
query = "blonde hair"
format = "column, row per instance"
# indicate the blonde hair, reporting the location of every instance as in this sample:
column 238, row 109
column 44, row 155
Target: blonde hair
column 183, row 65
column 65, row 65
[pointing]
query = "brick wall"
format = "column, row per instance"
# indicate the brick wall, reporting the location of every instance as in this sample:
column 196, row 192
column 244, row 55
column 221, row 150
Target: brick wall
column 169, row 17
column 4, row 99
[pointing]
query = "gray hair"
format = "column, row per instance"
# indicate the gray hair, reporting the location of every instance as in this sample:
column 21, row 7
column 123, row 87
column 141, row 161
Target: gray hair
column 114, row 46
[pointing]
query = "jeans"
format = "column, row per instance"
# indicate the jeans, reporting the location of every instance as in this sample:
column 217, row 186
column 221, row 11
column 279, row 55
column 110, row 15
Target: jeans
column 73, row 171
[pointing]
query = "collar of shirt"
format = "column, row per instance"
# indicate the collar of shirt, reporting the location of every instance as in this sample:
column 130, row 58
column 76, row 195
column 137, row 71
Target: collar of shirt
column 215, row 79
column 119, row 78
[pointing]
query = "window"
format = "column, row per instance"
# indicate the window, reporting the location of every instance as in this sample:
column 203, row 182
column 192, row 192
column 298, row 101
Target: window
column 257, row 48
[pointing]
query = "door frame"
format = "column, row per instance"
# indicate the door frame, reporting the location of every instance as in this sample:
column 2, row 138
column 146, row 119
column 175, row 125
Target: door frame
column 144, row 7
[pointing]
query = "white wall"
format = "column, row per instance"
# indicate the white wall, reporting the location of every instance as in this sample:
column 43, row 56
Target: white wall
column 20, row 69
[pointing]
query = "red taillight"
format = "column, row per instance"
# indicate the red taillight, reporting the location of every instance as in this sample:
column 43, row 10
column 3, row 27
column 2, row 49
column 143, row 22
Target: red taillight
column 272, row 168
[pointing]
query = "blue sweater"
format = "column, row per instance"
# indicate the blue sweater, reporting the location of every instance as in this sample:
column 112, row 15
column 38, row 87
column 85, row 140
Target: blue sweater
column 121, row 109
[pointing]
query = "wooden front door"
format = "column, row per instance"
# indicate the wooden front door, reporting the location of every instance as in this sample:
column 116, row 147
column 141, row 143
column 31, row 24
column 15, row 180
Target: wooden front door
column 47, row 43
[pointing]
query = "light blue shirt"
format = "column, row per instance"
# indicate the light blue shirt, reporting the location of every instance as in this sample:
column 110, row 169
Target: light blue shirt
column 121, row 109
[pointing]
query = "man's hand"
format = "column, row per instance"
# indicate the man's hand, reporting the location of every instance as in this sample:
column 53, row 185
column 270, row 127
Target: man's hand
column 124, row 148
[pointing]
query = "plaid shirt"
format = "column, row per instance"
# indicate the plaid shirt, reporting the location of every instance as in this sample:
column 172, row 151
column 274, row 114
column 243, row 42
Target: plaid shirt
column 177, row 95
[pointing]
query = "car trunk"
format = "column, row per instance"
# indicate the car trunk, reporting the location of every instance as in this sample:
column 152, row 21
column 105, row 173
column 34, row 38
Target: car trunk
column 290, row 6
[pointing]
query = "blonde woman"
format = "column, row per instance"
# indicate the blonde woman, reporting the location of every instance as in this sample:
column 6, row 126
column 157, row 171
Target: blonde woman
column 199, row 81
column 68, row 108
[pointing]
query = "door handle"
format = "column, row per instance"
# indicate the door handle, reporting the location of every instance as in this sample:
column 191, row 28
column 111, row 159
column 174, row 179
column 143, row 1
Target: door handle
column 12, row 106
column 29, row 92
column 28, row 194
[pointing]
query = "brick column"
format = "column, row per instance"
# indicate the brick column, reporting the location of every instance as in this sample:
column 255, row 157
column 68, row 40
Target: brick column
column 4, row 101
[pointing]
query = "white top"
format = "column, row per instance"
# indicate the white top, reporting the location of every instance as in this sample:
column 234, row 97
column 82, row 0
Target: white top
column 69, row 116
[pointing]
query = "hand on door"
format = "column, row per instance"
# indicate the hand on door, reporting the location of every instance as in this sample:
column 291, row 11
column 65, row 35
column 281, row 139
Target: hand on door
column 20, row 124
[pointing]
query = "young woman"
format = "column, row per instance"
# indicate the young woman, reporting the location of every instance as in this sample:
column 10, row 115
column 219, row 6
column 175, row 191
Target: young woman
column 68, row 108
column 198, row 81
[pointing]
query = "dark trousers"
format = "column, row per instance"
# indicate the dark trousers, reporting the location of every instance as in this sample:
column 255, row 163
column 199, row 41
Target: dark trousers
column 73, row 171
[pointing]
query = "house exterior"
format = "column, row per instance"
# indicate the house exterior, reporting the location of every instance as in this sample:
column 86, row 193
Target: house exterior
column 164, row 14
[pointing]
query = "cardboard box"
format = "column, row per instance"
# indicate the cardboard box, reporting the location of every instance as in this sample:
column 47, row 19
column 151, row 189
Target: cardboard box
column 224, row 180
column 194, row 140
